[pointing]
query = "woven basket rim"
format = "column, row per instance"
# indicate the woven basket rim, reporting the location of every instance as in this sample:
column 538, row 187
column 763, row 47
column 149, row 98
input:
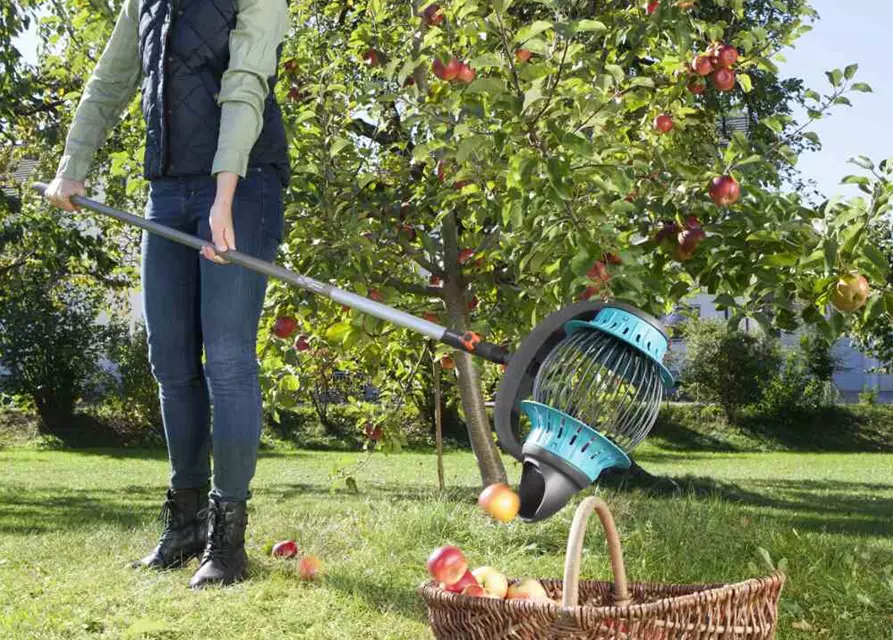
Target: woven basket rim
column 431, row 592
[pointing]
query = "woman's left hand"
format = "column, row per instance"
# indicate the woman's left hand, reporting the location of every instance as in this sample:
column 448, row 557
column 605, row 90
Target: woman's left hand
column 221, row 220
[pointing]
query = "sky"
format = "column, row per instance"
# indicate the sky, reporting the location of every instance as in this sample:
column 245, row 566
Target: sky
column 858, row 32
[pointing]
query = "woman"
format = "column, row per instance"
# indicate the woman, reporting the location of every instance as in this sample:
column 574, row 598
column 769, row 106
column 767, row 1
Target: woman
column 217, row 162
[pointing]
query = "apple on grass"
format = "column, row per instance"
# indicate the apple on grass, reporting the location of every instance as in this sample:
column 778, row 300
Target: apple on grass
column 285, row 549
column 309, row 568
column 500, row 502
column 447, row 565
column 850, row 293
column 527, row 589
column 492, row 581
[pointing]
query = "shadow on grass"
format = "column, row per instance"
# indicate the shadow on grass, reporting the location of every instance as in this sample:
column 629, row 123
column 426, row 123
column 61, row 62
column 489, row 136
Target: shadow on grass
column 384, row 596
column 24, row 511
column 817, row 505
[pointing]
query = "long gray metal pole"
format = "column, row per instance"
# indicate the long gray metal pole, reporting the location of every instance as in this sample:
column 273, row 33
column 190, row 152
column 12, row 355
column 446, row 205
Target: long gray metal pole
column 368, row 306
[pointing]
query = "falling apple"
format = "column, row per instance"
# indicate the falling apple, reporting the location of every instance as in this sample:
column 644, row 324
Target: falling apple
column 702, row 65
column 724, row 79
column 663, row 123
column 447, row 565
column 500, row 502
column 725, row 191
column 284, row 327
column 528, row 589
column 493, row 582
column 309, row 568
column 285, row 549
column 523, row 55
column 432, row 15
column 850, row 293
column 302, row 343
column 372, row 57
column 726, row 56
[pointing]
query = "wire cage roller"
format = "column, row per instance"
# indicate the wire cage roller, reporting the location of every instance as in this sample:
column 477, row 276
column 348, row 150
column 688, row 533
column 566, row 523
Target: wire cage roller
column 595, row 397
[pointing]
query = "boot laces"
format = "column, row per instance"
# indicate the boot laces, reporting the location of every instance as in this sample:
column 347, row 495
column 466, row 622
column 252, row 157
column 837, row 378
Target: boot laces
column 216, row 547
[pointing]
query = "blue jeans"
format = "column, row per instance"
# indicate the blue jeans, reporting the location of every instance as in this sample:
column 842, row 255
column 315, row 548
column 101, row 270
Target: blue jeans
column 193, row 304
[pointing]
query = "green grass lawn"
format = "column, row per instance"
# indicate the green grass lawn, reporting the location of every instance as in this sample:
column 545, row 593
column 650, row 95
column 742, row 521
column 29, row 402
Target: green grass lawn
column 70, row 522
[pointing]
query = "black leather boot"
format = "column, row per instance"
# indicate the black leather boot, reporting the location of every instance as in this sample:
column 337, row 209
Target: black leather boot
column 224, row 560
column 184, row 534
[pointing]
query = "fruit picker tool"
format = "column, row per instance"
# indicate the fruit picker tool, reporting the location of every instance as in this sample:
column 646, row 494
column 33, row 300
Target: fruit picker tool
column 589, row 377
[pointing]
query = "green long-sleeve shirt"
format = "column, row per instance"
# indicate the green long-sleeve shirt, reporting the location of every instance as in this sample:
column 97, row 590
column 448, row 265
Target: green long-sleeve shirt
column 260, row 27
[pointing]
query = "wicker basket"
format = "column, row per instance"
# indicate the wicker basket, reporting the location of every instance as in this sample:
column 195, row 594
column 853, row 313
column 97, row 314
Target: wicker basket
column 604, row 611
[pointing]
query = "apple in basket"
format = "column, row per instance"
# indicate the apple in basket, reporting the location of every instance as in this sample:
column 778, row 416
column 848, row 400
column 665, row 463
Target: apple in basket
column 465, row 583
column 493, row 582
column 528, row 589
column 447, row 565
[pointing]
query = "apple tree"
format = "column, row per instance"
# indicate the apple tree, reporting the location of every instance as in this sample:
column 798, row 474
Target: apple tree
column 485, row 163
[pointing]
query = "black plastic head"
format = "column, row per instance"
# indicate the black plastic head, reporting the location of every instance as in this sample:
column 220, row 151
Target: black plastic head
column 547, row 484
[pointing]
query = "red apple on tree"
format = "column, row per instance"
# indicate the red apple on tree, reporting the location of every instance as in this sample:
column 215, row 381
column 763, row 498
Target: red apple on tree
column 599, row 272
column 465, row 255
column 447, row 363
column 850, row 292
column 302, row 343
column 435, row 281
column 702, row 65
column 523, row 55
column 725, row 191
column 689, row 239
column 431, row 317
column 473, row 303
column 372, row 432
column 697, row 86
column 652, row 7
column 588, row 292
column 290, row 65
column 284, row 327
column 285, row 549
column 374, row 294
column 725, row 56
column 409, row 231
column 500, row 502
column 432, row 15
column 663, row 123
column 447, row 565
column 613, row 258
column 372, row 57
column 466, row 74
column 724, row 79
column 439, row 68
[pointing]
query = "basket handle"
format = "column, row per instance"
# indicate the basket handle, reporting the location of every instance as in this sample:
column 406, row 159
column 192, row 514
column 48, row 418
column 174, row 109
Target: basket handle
column 575, row 553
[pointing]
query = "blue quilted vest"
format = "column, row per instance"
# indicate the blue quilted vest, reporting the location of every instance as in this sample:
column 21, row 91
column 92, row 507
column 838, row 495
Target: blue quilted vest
column 184, row 48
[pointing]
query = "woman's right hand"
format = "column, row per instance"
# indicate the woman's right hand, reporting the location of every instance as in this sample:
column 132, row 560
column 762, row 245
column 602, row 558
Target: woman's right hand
column 60, row 190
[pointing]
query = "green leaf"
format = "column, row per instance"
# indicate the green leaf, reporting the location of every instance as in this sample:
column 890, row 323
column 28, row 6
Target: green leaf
column 835, row 77
column 486, row 85
column 863, row 162
column 782, row 260
column 532, row 95
column 725, row 300
column 773, row 123
column 862, row 87
column 830, row 254
column 855, row 180
column 745, row 82
column 581, row 262
column 337, row 332
column 289, row 383
column 588, row 25
column 843, row 100
column 642, row 81
column 850, row 71
column 536, row 28
column 876, row 257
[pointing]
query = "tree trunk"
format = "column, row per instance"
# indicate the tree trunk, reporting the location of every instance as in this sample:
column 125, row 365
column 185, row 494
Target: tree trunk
column 476, row 419
column 438, row 426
